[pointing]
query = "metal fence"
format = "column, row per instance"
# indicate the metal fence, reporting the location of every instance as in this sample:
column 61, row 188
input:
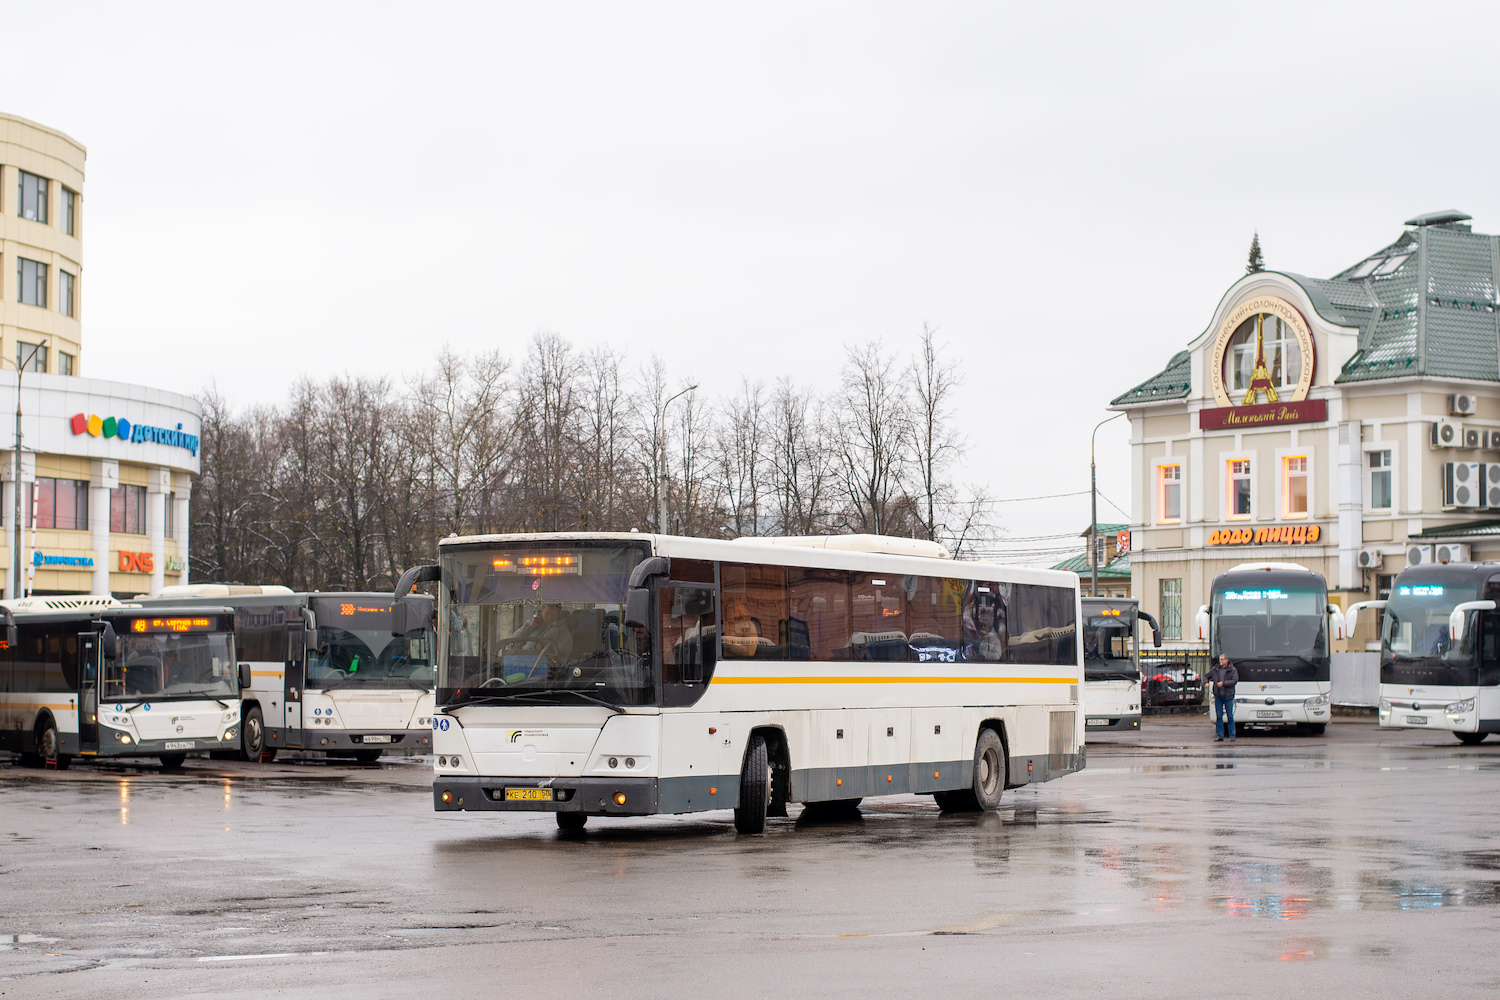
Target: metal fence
column 1173, row 678
column 1356, row 679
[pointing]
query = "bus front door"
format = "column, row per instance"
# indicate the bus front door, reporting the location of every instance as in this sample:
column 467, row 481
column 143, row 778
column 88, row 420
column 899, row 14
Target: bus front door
column 296, row 674
column 89, row 671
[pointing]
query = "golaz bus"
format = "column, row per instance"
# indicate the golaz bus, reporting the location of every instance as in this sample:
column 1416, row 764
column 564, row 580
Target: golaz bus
column 631, row 674
column 326, row 673
column 1112, row 663
column 1440, row 649
column 89, row 677
column 1275, row 624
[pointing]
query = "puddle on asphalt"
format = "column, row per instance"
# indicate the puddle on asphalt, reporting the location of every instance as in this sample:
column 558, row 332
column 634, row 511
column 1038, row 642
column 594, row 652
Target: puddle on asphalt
column 9, row 942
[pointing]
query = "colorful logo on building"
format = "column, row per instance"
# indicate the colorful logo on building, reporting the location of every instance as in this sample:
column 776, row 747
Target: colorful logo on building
column 137, row 562
column 1263, row 354
column 118, row 427
column 1300, row 534
column 41, row 559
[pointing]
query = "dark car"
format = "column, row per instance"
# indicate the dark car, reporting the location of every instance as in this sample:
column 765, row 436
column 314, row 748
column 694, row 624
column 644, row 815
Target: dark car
column 1169, row 682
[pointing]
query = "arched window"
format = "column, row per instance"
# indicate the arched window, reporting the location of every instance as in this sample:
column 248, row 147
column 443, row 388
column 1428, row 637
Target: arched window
column 1283, row 353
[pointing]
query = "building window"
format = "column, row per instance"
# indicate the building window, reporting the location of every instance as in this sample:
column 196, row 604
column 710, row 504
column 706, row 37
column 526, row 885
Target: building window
column 31, row 357
column 62, row 503
column 31, row 282
column 127, row 510
column 1168, row 494
column 1380, row 480
column 64, row 363
column 1239, row 488
column 1294, row 486
column 171, row 516
column 33, row 196
column 64, row 292
column 69, row 211
column 1283, row 355
column 1383, row 584
column 1171, row 608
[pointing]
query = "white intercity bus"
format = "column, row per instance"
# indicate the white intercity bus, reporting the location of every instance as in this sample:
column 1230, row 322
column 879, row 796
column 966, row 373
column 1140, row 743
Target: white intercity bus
column 1275, row 623
column 1112, row 663
column 327, row 675
column 88, row 677
column 631, row 674
column 1440, row 649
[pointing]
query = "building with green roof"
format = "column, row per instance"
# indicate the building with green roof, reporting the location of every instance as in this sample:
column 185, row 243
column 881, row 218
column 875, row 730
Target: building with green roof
column 1349, row 423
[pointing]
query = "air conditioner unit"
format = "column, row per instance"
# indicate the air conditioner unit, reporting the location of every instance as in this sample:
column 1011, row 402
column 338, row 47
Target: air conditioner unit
column 1489, row 475
column 1461, row 484
column 1369, row 559
column 1474, row 438
column 1451, row 552
column 1446, row 434
column 1417, row 555
column 1490, row 440
column 1462, row 404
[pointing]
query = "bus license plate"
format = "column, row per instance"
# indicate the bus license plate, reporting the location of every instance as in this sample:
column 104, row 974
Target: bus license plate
column 376, row 739
column 528, row 794
column 180, row 745
column 1097, row 722
column 1416, row 720
column 1268, row 715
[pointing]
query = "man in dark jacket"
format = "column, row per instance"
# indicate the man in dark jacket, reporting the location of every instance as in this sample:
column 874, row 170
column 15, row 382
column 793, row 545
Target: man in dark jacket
column 1224, row 677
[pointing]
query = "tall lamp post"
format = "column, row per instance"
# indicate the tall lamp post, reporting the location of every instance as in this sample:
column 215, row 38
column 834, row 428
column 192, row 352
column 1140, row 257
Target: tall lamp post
column 1094, row 510
column 661, row 470
column 20, row 366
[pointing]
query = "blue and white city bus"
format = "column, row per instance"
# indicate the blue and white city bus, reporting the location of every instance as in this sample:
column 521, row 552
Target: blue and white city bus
column 631, row 674
column 1440, row 649
column 1112, row 663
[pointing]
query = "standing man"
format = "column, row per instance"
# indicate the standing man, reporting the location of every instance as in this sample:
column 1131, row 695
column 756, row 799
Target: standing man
column 1224, row 677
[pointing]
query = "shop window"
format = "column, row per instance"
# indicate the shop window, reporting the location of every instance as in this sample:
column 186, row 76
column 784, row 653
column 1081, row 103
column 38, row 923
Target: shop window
column 31, row 357
column 1294, row 486
column 1169, row 494
column 62, row 503
column 1380, row 479
column 69, row 211
column 31, row 283
column 1171, row 608
column 127, row 510
column 64, row 292
column 33, row 192
column 1239, row 488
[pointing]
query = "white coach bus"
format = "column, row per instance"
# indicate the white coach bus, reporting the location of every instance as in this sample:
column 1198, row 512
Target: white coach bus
column 87, row 677
column 632, row 674
column 327, row 674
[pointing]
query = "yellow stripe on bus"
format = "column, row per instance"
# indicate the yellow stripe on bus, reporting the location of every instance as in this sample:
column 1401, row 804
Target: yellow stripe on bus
column 720, row 679
column 266, row 673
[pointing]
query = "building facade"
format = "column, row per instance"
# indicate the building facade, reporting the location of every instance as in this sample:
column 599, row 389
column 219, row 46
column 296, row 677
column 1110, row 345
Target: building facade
column 106, row 467
column 1350, row 424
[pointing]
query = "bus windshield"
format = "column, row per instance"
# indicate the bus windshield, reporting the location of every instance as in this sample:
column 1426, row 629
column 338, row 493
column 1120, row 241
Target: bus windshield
column 1271, row 631
column 355, row 647
column 1109, row 646
column 164, row 665
column 1414, row 640
column 542, row 623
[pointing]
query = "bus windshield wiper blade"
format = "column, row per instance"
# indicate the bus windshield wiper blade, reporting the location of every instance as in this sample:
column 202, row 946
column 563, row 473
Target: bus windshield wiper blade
column 201, row 694
column 588, row 697
column 531, row 696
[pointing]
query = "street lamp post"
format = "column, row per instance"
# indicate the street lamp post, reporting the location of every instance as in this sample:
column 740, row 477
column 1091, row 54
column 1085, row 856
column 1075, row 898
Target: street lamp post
column 1094, row 510
column 661, row 470
column 20, row 365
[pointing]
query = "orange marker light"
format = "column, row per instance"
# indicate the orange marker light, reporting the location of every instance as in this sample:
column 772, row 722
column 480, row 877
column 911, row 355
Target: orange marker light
column 934, row 774
column 447, row 797
column 887, row 777
column 713, row 791
column 619, row 798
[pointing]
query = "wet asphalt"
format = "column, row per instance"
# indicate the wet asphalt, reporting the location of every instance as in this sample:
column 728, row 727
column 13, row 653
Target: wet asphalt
column 1363, row 862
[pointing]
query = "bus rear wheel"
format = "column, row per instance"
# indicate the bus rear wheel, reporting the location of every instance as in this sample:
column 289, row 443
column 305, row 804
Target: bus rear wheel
column 47, row 744
column 755, row 788
column 989, row 779
column 571, row 821
column 1467, row 739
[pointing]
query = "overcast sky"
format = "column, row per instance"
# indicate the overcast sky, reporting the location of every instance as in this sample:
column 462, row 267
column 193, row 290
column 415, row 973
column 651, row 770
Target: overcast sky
column 1065, row 190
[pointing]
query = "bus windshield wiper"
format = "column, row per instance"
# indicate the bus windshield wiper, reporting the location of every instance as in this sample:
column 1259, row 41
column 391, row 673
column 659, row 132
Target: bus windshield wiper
column 201, row 694
column 531, row 696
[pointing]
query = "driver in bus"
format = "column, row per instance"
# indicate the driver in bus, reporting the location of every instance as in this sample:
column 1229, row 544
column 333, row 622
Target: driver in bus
column 549, row 628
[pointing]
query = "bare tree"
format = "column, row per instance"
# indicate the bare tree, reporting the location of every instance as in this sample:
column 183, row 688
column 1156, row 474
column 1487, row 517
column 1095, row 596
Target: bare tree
column 935, row 444
column 739, row 460
column 874, row 433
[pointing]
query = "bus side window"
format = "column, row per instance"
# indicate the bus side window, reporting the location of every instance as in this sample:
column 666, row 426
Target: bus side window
column 879, row 613
column 937, row 618
column 755, row 612
column 818, row 627
column 688, row 634
column 986, row 624
column 1489, row 656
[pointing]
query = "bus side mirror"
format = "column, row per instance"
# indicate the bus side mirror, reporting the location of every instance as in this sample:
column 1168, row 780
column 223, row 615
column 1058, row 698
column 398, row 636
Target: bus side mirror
column 1336, row 619
column 1202, row 621
column 1459, row 619
column 107, row 641
column 1351, row 617
column 1155, row 628
column 244, row 676
column 12, row 636
column 637, row 607
column 414, row 576
column 410, row 614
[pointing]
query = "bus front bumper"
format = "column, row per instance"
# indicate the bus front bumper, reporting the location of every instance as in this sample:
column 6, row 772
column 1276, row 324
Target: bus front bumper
column 595, row 796
column 411, row 741
column 1111, row 724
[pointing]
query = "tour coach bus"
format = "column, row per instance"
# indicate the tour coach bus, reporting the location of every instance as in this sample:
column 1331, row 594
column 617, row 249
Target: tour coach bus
column 326, row 672
column 1440, row 649
column 1112, row 663
column 87, row 676
column 629, row 674
column 1275, row 624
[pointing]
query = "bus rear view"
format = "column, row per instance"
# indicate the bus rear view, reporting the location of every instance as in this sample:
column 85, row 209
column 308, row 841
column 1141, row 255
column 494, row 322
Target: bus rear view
column 1273, row 622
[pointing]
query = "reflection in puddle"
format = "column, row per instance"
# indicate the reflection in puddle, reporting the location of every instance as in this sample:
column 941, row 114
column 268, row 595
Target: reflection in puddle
column 9, row 942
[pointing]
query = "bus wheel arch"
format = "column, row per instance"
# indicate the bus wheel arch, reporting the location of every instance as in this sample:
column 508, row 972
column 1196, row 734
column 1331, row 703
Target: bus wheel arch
column 779, row 756
column 756, row 784
column 48, row 741
column 989, row 779
column 252, row 731
column 997, row 726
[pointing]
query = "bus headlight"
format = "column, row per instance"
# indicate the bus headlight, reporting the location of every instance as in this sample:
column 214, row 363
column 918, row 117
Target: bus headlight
column 1320, row 701
column 229, row 734
column 1460, row 707
column 1385, row 704
column 123, row 737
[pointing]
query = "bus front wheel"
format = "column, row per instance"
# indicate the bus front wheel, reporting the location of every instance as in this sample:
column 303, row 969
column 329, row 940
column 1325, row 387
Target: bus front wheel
column 989, row 779
column 571, row 821
column 47, row 744
column 755, row 788
column 172, row 761
column 1467, row 739
column 253, row 734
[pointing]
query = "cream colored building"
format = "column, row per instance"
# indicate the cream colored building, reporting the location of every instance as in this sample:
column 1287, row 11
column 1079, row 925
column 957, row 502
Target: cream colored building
column 106, row 467
column 1350, row 424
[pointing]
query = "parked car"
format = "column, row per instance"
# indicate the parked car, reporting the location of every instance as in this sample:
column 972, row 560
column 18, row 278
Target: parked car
column 1169, row 682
